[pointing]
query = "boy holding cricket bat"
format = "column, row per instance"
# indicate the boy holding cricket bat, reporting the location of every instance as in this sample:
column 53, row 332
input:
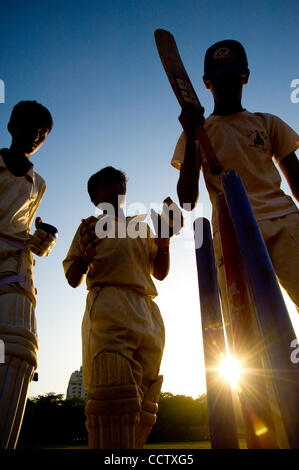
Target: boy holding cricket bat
column 247, row 143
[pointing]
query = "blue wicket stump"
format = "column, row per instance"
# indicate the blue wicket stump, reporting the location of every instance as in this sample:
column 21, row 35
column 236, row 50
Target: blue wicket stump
column 223, row 428
column 244, row 340
column 249, row 270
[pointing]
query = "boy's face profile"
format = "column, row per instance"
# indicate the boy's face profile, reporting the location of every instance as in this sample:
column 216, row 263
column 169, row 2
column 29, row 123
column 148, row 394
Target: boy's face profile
column 112, row 194
column 28, row 137
column 227, row 87
column 225, row 73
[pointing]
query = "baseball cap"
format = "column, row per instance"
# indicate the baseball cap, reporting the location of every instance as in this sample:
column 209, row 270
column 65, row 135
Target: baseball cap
column 227, row 55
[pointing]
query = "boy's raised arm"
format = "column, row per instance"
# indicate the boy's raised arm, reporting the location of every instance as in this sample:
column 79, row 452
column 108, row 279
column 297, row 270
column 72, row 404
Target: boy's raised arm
column 166, row 225
column 187, row 187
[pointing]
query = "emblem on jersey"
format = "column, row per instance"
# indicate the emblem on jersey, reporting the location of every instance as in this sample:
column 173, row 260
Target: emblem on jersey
column 257, row 139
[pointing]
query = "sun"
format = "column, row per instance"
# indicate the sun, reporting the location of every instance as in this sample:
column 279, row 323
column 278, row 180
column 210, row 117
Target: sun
column 230, row 370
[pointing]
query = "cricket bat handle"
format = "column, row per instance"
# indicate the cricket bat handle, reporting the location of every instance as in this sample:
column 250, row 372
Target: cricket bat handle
column 214, row 166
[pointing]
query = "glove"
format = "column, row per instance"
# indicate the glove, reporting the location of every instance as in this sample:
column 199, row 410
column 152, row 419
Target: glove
column 43, row 239
column 88, row 238
column 190, row 118
column 170, row 221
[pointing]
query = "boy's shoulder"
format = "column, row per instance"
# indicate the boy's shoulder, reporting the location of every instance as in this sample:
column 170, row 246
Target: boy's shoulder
column 244, row 115
column 39, row 179
column 267, row 117
column 247, row 118
column 267, row 120
column 275, row 125
column 36, row 177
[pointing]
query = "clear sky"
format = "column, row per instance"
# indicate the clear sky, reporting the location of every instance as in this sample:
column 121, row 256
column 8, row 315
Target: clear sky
column 94, row 64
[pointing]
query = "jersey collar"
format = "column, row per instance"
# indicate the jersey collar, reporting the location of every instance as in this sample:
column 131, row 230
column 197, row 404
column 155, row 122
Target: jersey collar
column 29, row 173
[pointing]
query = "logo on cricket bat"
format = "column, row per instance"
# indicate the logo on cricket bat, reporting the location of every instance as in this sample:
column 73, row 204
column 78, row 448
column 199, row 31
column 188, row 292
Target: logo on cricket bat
column 186, row 91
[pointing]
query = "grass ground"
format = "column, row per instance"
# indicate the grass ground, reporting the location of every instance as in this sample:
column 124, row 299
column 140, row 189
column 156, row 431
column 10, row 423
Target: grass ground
column 163, row 445
column 188, row 445
column 180, row 445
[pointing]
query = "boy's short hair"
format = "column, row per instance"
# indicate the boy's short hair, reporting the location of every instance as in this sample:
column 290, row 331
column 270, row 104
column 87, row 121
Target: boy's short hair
column 32, row 111
column 106, row 177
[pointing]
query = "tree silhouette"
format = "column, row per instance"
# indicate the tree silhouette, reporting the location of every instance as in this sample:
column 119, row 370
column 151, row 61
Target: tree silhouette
column 180, row 418
column 50, row 420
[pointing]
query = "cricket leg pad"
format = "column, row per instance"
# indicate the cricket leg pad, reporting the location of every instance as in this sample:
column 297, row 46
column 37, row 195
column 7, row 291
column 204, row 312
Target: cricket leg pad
column 148, row 415
column 113, row 407
column 15, row 377
column 18, row 334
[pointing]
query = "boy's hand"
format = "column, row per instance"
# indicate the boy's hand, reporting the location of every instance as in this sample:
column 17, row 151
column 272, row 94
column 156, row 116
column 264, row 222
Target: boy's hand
column 43, row 239
column 171, row 220
column 159, row 225
column 190, row 118
column 88, row 238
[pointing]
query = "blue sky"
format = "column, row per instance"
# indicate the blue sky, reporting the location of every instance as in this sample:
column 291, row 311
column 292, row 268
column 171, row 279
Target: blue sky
column 94, row 64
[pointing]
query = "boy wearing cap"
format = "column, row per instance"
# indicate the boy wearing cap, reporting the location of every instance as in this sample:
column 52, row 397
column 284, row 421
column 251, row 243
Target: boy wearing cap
column 21, row 191
column 247, row 143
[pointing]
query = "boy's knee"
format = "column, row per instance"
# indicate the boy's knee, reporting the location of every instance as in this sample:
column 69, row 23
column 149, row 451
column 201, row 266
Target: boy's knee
column 112, row 385
column 114, row 403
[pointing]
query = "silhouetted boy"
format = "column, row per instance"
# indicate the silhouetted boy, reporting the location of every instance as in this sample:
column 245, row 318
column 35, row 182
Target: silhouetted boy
column 122, row 329
column 21, row 191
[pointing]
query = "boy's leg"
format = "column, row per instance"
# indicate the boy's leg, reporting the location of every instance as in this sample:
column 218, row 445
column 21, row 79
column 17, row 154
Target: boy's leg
column 15, row 377
column 149, row 410
column 113, row 405
column 16, row 317
column 281, row 236
column 128, row 372
column 114, row 397
column 27, row 377
column 150, row 355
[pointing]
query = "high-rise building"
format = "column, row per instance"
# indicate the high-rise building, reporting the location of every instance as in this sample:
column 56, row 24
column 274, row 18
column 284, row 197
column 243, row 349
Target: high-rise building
column 76, row 387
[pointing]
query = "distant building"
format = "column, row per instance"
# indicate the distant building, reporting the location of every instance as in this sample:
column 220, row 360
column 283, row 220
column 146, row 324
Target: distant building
column 75, row 387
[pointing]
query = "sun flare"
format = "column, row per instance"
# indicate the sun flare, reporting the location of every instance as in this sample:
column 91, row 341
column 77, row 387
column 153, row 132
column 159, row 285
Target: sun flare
column 230, row 370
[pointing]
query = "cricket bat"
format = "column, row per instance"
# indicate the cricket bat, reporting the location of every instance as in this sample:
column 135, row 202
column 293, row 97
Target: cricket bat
column 183, row 89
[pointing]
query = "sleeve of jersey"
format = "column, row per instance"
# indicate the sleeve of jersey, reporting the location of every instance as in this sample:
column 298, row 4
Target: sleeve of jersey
column 283, row 138
column 179, row 152
column 74, row 252
column 40, row 194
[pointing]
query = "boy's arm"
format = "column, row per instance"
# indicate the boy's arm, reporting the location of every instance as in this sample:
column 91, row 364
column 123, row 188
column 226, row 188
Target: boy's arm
column 77, row 271
column 290, row 168
column 187, row 187
column 81, row 253
column 161, row 263
column 166, row 225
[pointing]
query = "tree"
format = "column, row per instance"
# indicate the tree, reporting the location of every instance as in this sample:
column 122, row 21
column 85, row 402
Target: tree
column 50, row 420
column 180, row 418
